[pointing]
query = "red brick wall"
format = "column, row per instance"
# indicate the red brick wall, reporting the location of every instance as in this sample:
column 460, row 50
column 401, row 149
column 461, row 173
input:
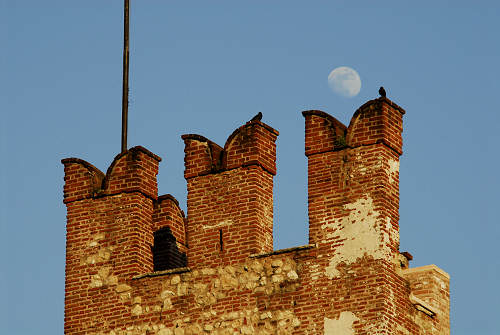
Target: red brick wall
column 348, row 165
column 230, row 195
column 349, row 280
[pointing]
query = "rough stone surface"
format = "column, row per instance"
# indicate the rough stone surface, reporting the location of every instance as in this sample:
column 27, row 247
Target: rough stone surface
column 350, row 278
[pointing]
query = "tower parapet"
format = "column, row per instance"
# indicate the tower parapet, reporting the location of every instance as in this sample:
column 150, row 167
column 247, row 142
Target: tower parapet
column 353, row 181
column 230, row 195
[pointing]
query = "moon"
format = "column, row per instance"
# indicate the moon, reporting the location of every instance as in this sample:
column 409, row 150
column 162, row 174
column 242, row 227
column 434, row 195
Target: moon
column 345, row 81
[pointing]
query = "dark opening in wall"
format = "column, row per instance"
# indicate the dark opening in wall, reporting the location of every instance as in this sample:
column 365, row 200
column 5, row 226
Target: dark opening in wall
column 220, row 240
column 166, row 255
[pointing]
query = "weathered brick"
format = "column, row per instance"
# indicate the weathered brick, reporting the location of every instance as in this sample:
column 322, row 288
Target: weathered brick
column 350, row 279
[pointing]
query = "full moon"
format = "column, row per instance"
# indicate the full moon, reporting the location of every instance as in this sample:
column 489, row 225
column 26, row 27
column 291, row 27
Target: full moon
column 345, row 81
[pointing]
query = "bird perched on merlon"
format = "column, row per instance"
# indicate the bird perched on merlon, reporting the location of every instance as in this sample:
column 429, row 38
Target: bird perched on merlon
column 257, row 117
column 381, row 91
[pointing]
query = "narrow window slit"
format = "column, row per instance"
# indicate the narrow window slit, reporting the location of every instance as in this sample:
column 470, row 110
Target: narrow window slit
column 220, row 240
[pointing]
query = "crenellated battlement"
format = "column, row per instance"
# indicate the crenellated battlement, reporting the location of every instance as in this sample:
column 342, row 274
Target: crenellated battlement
column 377, row 121
column 250, row 144
column 137, row 264
column 133, row 170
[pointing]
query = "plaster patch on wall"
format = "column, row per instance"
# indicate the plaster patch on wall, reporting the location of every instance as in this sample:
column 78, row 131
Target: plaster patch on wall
column 102, row 255
column 342, row 325
column 223, row 223
column 361, row 233
column 95, row 239
column 268, row 215
column 393, row 169
column 94, row 256
column 103, row 277
column 360, row 169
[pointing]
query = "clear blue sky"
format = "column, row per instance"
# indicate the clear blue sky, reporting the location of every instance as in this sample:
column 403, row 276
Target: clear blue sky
column 206, row 67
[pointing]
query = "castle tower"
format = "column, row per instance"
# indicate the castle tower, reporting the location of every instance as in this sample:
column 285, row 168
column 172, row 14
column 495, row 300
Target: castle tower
column 136, row 264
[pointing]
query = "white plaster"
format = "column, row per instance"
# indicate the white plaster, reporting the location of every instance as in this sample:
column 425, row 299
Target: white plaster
column 393, row 169
column 362, row 235
column 223, row 223
column 96, row 239
column 102, row 255
column 292, row 275
column 95, row 282
column 340, row 326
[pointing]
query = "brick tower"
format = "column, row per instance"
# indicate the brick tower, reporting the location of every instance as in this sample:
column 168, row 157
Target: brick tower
column 136, row 264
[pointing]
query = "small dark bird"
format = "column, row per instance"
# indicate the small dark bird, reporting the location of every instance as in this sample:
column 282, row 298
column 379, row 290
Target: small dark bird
column 381, row 91
column 257, row 117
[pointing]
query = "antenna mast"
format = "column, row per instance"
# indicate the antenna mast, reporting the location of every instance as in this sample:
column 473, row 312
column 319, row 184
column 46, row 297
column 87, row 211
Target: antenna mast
column 125, row 75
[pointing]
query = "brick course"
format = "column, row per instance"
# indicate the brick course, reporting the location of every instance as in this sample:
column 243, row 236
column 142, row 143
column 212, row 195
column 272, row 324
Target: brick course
column 350, row 278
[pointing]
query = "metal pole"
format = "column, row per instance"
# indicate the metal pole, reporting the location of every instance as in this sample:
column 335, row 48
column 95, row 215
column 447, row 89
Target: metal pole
column 125, row 75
